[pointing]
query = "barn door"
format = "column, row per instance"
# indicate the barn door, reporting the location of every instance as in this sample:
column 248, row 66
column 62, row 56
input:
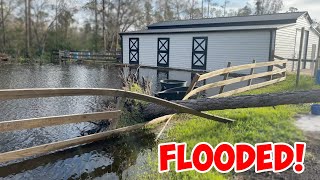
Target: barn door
column 163, row 52
column 199, row 53
column 133, row 50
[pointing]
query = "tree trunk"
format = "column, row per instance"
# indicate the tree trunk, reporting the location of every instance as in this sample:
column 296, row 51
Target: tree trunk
column 3, row 27
column 118, row 24
column 151, row 111
column 202, row 9
column 27, row 29
column 29, row 25
column 96, row 25
column 104, row 26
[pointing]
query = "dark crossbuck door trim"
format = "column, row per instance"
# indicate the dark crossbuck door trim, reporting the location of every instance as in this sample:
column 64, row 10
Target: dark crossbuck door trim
column 133, row 50
column 199, row 53
column 163, row 52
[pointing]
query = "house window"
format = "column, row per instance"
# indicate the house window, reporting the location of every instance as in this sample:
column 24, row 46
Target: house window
column 199, row 53
column 163, row 52
column 133, row 50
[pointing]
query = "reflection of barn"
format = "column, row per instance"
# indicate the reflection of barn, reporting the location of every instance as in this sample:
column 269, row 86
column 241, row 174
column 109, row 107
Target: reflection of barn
column 208, row 44
column 155, row 75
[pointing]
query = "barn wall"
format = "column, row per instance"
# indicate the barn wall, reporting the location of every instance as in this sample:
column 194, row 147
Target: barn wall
column 288, row 41
column 238, row 47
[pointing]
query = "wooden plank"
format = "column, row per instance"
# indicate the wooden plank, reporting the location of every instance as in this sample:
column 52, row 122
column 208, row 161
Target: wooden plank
column 56, row 120
column 238, row 68
column 53, row 92
column 46, row 148
column 302, row 60
column 226, row 76
column 316, row 67
column 193, row 82
column 278, row 57
column 299, row 59
column 158, row 68
column 234, row 80
column 247, row 88
column 251, row 72
column 284, row 74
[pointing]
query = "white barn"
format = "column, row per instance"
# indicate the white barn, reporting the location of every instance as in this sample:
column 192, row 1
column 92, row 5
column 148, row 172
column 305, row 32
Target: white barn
column 208, row 44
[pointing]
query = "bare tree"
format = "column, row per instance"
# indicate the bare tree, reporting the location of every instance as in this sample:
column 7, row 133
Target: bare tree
column 29, row 25
column 211, row 8
column 245, row 11
column 192, row 10
column 96, row 25
column 27, row 29
column 268, row 6
column 293, row 9
column 148, row 12
column 104, row 26
column 3, row 25
column 179, row 7
column 224, row 7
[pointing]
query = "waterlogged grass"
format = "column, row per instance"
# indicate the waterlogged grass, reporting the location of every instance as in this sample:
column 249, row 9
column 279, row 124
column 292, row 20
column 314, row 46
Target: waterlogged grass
column 253, row 125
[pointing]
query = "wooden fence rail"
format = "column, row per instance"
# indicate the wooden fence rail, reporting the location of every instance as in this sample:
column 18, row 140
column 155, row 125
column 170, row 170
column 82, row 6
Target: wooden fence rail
column 53, row 92
column 56, row 120
column 59, row 120
column 281, row 72
column 111, row 56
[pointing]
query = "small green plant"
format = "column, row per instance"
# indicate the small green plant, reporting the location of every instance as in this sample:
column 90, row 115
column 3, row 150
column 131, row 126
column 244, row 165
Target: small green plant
column 22, row 60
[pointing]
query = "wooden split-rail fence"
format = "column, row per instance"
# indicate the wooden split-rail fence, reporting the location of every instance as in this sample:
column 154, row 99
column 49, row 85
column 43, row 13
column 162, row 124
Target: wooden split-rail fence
column 15, row 125
column 81, row 56
column 276, row 73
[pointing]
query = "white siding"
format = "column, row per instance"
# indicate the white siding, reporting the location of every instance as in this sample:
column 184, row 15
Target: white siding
column 238, row 47
column 288, row 39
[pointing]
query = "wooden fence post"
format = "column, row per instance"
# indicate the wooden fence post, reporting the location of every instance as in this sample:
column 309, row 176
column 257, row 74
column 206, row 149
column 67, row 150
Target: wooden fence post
column 316, row 67
column 284, row 67
column 226, row 76
column 251, row 72
column 300, row 56
column 193, row 83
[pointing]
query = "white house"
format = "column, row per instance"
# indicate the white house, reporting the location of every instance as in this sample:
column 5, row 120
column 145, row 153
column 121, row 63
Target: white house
column 208, row 44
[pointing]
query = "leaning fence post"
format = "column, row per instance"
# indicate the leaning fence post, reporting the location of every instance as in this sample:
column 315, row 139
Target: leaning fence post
column 193, row 83
column 251, row 72
column 299, row 59
column 316, row 67
column 226, row 76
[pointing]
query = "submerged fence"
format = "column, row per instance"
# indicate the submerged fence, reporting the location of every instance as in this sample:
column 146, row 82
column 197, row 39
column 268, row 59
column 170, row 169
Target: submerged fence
column 277, row 74
column 14, row 125
column 79, row 56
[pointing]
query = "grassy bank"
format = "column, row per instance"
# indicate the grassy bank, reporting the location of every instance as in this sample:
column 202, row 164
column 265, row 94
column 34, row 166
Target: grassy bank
column 253, row 125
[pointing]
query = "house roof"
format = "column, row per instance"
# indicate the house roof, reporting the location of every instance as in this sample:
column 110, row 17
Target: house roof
column 280, row 18
column 206, row 29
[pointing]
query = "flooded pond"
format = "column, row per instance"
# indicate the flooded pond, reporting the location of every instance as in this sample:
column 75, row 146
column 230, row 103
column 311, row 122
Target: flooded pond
column 110, row 159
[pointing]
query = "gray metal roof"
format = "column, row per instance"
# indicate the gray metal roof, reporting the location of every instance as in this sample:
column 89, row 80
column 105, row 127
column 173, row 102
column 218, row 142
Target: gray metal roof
column 206, row 29
column 280, row 18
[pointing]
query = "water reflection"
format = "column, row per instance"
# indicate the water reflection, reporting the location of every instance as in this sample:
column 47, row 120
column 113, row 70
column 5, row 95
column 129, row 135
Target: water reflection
column 107, row 158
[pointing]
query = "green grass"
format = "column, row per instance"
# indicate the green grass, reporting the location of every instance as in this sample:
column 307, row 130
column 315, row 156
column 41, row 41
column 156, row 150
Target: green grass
column 253, row 125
